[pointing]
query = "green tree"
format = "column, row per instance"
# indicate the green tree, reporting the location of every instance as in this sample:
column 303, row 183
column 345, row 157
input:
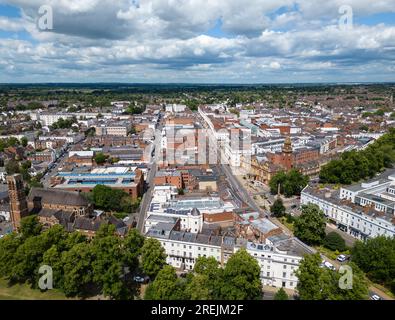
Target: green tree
column 153, row 257
column 310, row 226
column 30, row 226
column 24, row 141
column 281, row 295
column 100, row 158
column 316, row 283
column 278, row 209
column 206, row 280
column 132, row 244
column 241, row 278
column 12, row 167
column 107, row 264
column 291, row 183
column 166, row 286
column 77, row 266
column 334, row 241
column 110, row 199
column 9, row 244
column 376, row 257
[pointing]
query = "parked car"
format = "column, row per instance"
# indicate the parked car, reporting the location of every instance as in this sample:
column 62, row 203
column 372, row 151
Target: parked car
column 326, row 264
column 341, row 258
column 140, row 279
column 375, row 297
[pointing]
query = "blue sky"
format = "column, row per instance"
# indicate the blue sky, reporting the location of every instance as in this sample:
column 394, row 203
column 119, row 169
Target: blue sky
column 201, row 41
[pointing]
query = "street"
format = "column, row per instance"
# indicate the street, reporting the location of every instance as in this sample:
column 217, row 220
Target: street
column 150, row 178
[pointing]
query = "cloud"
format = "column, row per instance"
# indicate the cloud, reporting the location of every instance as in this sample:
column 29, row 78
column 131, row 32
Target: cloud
column 170, row 39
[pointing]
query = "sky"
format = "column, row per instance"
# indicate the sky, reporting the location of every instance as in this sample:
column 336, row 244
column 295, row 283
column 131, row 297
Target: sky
column 197, row 41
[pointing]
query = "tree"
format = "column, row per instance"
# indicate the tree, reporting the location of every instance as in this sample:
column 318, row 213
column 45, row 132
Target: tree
column 165, row 286
column 100, row 158
column 153, row 257
column 310, row 226
column 356, row 165
column 110, row 199
column 8, row 247
column 30, row 226
column 241, row 278
column 316, row 283
column 132, row 244
column 107, row 264
column 77, row 266
column 24, row 141
column 12, row 167
column 291, row 183
column 281, row 295
column 376, row 257
column 206, row 281
column 334, row 241
column 278, row 209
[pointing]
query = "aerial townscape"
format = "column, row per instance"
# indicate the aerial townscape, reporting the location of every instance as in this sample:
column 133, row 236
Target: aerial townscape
column 176, row 195
column 193, row 150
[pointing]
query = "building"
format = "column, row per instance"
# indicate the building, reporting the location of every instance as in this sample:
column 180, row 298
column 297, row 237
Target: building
column 48, row 119
column 278, row 258
column 121, row 128
column 18, row 203
column 122, row 178
column 363, row 210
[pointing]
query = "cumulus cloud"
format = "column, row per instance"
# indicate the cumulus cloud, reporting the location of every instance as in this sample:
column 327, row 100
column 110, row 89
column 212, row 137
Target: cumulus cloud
column 173, row 39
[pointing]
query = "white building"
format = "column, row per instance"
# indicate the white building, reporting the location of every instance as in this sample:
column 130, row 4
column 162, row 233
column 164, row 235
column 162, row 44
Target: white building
column 48, row 119
column 278, row 260
column 361, row 214
column 189, row 211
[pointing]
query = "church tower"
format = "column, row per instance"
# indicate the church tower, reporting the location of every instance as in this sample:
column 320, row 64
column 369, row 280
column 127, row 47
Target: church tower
column 18, row 203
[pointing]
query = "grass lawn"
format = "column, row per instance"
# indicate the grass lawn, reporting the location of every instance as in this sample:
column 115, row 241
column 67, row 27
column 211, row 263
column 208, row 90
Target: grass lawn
column 24, row 292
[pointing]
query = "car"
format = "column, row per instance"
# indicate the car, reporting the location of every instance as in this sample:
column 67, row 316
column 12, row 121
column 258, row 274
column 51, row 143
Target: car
column 140, row 279
column 341, row 258
column 375, row 297
column 326, row 264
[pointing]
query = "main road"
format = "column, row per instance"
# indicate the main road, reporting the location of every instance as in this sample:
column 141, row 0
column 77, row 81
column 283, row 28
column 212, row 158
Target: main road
column 150, row 179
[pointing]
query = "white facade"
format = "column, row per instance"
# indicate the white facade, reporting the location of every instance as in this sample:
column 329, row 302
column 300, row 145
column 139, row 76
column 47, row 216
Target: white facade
column 48, row 119
column 278, row 268
column 358, row 224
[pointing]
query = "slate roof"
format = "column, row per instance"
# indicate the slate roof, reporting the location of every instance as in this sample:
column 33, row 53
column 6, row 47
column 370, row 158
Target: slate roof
column 54, row 196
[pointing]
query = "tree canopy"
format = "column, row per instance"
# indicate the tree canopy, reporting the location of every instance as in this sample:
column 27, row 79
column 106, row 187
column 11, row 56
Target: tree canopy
column 334, row 241
column 376, row 257
column 81, row 267
column 356, row 165
column 278, row 209
column 291, row 183
column 310, row 226
column 317, row 283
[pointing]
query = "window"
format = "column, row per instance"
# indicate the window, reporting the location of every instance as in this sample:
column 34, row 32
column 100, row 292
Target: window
column 284, row 274
column 284, row 266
